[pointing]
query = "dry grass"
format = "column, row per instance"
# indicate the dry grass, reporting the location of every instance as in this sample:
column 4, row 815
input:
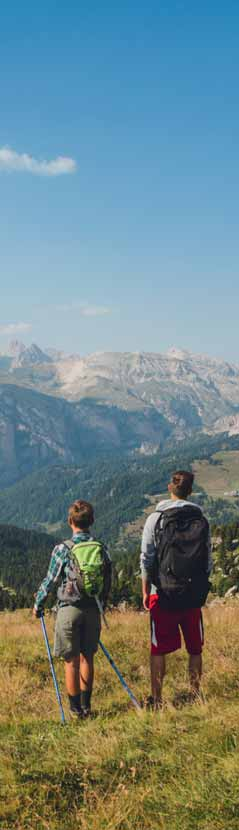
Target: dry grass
column 177, row 770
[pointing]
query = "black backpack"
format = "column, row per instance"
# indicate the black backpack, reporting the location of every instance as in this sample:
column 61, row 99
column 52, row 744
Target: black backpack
column 181, row 560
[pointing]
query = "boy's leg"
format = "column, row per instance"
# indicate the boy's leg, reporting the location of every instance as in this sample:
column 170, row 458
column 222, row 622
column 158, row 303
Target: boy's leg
column 67, row 645
column 86, row 678
column 72, row 684
column 90, row 640
column 72, row 676
column 79, row 676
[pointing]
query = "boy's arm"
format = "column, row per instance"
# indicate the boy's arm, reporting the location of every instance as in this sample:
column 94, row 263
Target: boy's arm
column 54, row 571
column 147, row 557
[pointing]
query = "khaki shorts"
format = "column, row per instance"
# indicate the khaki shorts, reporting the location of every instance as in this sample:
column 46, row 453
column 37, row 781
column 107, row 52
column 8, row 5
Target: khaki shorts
column 77, row 631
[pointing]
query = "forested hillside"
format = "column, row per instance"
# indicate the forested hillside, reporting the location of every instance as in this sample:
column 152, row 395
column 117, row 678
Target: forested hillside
column 119, row 489
column 24, row 557
column 123, row 493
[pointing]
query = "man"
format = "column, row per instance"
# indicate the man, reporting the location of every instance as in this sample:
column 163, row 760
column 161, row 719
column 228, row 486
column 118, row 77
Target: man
column 78, row 624
column 174, row 603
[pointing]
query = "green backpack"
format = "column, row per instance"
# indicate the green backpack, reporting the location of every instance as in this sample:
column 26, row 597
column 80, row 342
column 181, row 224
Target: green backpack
column 90, row 568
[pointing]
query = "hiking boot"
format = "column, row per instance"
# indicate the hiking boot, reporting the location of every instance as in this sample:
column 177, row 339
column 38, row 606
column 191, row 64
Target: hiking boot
column 86, row 713
column 152, row 705
column 188, row 697
column 76, row 714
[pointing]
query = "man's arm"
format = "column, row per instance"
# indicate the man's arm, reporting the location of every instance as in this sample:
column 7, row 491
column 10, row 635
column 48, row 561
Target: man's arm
column 210, row 559
column 147, row 557
column 54, row 571
column 146, row 588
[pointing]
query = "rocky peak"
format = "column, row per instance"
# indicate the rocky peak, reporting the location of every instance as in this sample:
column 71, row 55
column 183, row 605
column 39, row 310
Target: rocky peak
column 16, row 348
column 27, row 356
column 177, row 354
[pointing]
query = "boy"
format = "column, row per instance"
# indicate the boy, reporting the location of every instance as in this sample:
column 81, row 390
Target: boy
column 78, row 623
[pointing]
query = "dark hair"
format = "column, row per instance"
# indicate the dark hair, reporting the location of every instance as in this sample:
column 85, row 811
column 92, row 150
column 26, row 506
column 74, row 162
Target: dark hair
column 81, row 513
column 182, row 483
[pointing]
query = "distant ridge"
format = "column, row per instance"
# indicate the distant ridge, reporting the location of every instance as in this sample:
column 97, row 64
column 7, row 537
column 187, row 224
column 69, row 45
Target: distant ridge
column 55, row 407
column 190, row 391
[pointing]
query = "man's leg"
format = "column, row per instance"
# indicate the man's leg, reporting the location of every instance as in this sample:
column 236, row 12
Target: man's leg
column 195, row 672
column 158, row 669
column 192, row 627
column 165, row 638
column 86, row 677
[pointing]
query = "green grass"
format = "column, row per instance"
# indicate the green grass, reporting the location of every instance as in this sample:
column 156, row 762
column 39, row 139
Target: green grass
column 174, row 770
column 216, row 479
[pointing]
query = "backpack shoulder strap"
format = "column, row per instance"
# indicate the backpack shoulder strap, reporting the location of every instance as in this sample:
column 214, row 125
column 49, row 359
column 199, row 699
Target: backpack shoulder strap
column 170, row 513
column 158, row 527
column 69, row 544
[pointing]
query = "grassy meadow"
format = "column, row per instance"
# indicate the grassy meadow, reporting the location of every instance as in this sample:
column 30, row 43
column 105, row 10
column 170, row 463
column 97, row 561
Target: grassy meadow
column 215, row 479
column 221, row 477
column 173, row 770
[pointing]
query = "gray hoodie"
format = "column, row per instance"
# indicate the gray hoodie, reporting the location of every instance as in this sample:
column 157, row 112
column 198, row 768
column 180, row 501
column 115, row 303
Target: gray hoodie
column 148, row 537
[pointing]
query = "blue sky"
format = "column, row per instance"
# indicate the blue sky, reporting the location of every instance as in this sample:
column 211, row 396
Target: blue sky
column 127, row 238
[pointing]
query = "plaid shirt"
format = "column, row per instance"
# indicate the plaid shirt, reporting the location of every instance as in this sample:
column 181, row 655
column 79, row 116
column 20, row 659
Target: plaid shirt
column 58, row 568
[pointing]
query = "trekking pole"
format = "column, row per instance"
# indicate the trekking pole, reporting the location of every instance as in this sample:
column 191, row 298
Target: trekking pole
column 110, row 659
column 101, row 610
column 52, row 669
column 120, row 676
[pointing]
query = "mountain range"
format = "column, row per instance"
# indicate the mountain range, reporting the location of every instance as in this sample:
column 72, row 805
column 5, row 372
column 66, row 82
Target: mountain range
column 63, row 408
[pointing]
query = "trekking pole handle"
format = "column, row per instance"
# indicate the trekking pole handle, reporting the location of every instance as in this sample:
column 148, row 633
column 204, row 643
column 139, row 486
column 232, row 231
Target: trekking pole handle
column 52, row 668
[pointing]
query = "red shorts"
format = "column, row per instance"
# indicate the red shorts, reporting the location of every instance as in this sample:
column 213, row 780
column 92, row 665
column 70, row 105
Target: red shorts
column 165, row 628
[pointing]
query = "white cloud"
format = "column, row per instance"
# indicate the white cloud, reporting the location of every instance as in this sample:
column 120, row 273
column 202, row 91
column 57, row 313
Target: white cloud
column 94, row 310
column 84, row 309
column 14, row 328
column 23, row 163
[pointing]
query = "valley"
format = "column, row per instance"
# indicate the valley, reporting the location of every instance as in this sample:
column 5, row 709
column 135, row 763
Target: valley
column 63, row 408
column 144, row 416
